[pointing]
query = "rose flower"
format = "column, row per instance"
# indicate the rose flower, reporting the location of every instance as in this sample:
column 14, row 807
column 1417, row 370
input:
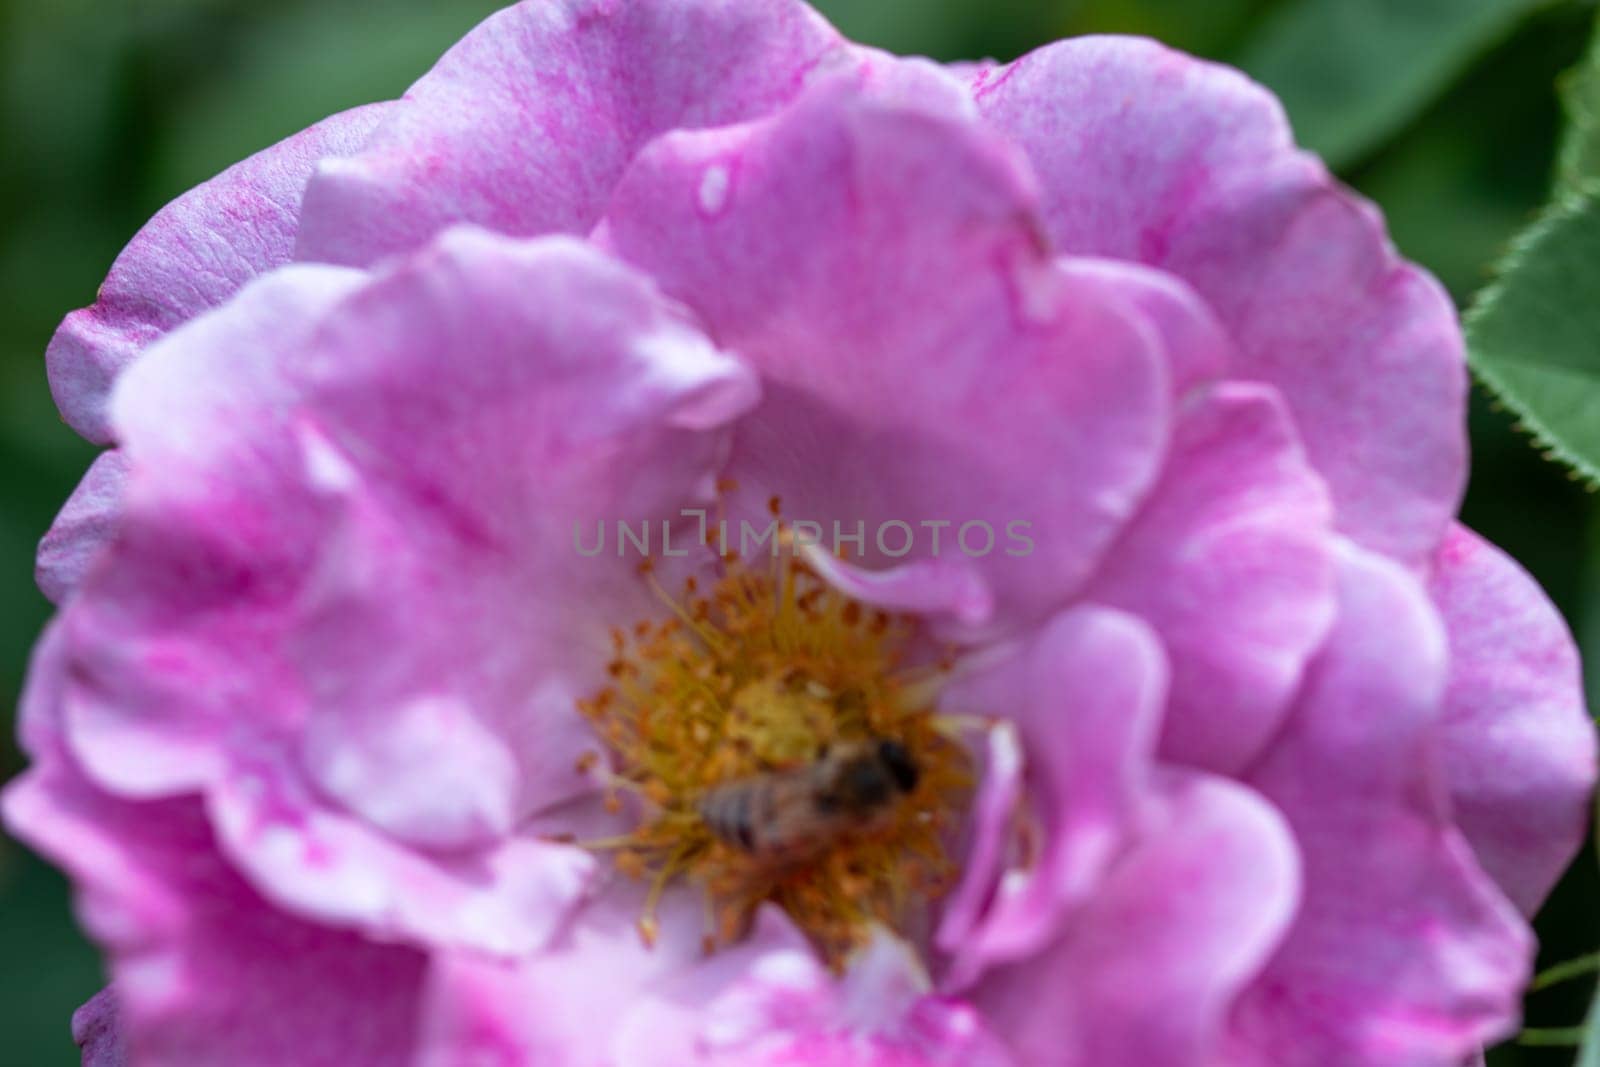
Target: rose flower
column 685, row 540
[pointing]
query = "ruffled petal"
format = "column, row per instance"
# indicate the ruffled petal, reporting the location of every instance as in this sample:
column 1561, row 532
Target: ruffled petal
column 163, row 636
column 989, row 849
column 526, row 124
column 192, row 256
column 1231, row 561
column 1086, row 697
column 1518, row 744
column 1149, row 155
column 506, row 896
column 571, row 1004
column 345, row 600
column 204, row 970
column 785, row 1009
column 83, row 527
column 1403, row 953
column 764, row 1002
column 1147, row 971
column 934, row 385
column 1197, row 347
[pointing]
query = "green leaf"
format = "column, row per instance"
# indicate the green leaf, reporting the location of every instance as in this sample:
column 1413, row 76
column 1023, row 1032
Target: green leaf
column 1534, row 335
column 1580, row 144
column 1352, row 72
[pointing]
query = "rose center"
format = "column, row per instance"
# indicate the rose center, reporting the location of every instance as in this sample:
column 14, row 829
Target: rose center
column 776, row 742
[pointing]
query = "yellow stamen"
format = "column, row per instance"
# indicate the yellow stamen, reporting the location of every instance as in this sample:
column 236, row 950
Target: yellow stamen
column 754, row 672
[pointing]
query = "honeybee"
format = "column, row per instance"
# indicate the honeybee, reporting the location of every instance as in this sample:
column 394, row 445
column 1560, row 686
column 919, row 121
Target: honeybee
column 792, row 815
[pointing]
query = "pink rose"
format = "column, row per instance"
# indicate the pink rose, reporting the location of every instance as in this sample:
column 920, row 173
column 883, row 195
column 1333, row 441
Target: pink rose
column 1153, row 711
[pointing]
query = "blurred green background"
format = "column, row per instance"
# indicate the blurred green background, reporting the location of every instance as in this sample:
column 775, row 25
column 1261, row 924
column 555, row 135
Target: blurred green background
column 1443, row 111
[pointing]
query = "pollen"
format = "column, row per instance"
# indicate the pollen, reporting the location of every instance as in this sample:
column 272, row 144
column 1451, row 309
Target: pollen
column 757, row 671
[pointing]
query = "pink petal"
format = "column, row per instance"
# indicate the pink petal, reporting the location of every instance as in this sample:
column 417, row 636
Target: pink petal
column 473, row 465
column 192, row 256
column 1147, row 970
column 83, row 527
column 1149, row 155
column 526, row 124
column 506, row 896
column 1519, row 747
column 572, row 1004
column 204, row 971
column 1403, row 952
column 989, row 847
column 786, row 1010
column 923, row 359
column 1198, row 348
column 97, row 1031
column 164, row 636
column 345, row 600
column 1231, row 561
column 1086, row 696
column 928, row 587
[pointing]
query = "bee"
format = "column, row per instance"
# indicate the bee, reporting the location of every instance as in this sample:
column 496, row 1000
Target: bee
column 793, row 815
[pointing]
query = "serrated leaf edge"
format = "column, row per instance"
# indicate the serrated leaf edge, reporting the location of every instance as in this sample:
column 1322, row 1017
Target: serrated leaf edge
column 1549, row 444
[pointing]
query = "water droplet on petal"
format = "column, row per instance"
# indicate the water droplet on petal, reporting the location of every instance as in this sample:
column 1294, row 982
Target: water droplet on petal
column 714, row 189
